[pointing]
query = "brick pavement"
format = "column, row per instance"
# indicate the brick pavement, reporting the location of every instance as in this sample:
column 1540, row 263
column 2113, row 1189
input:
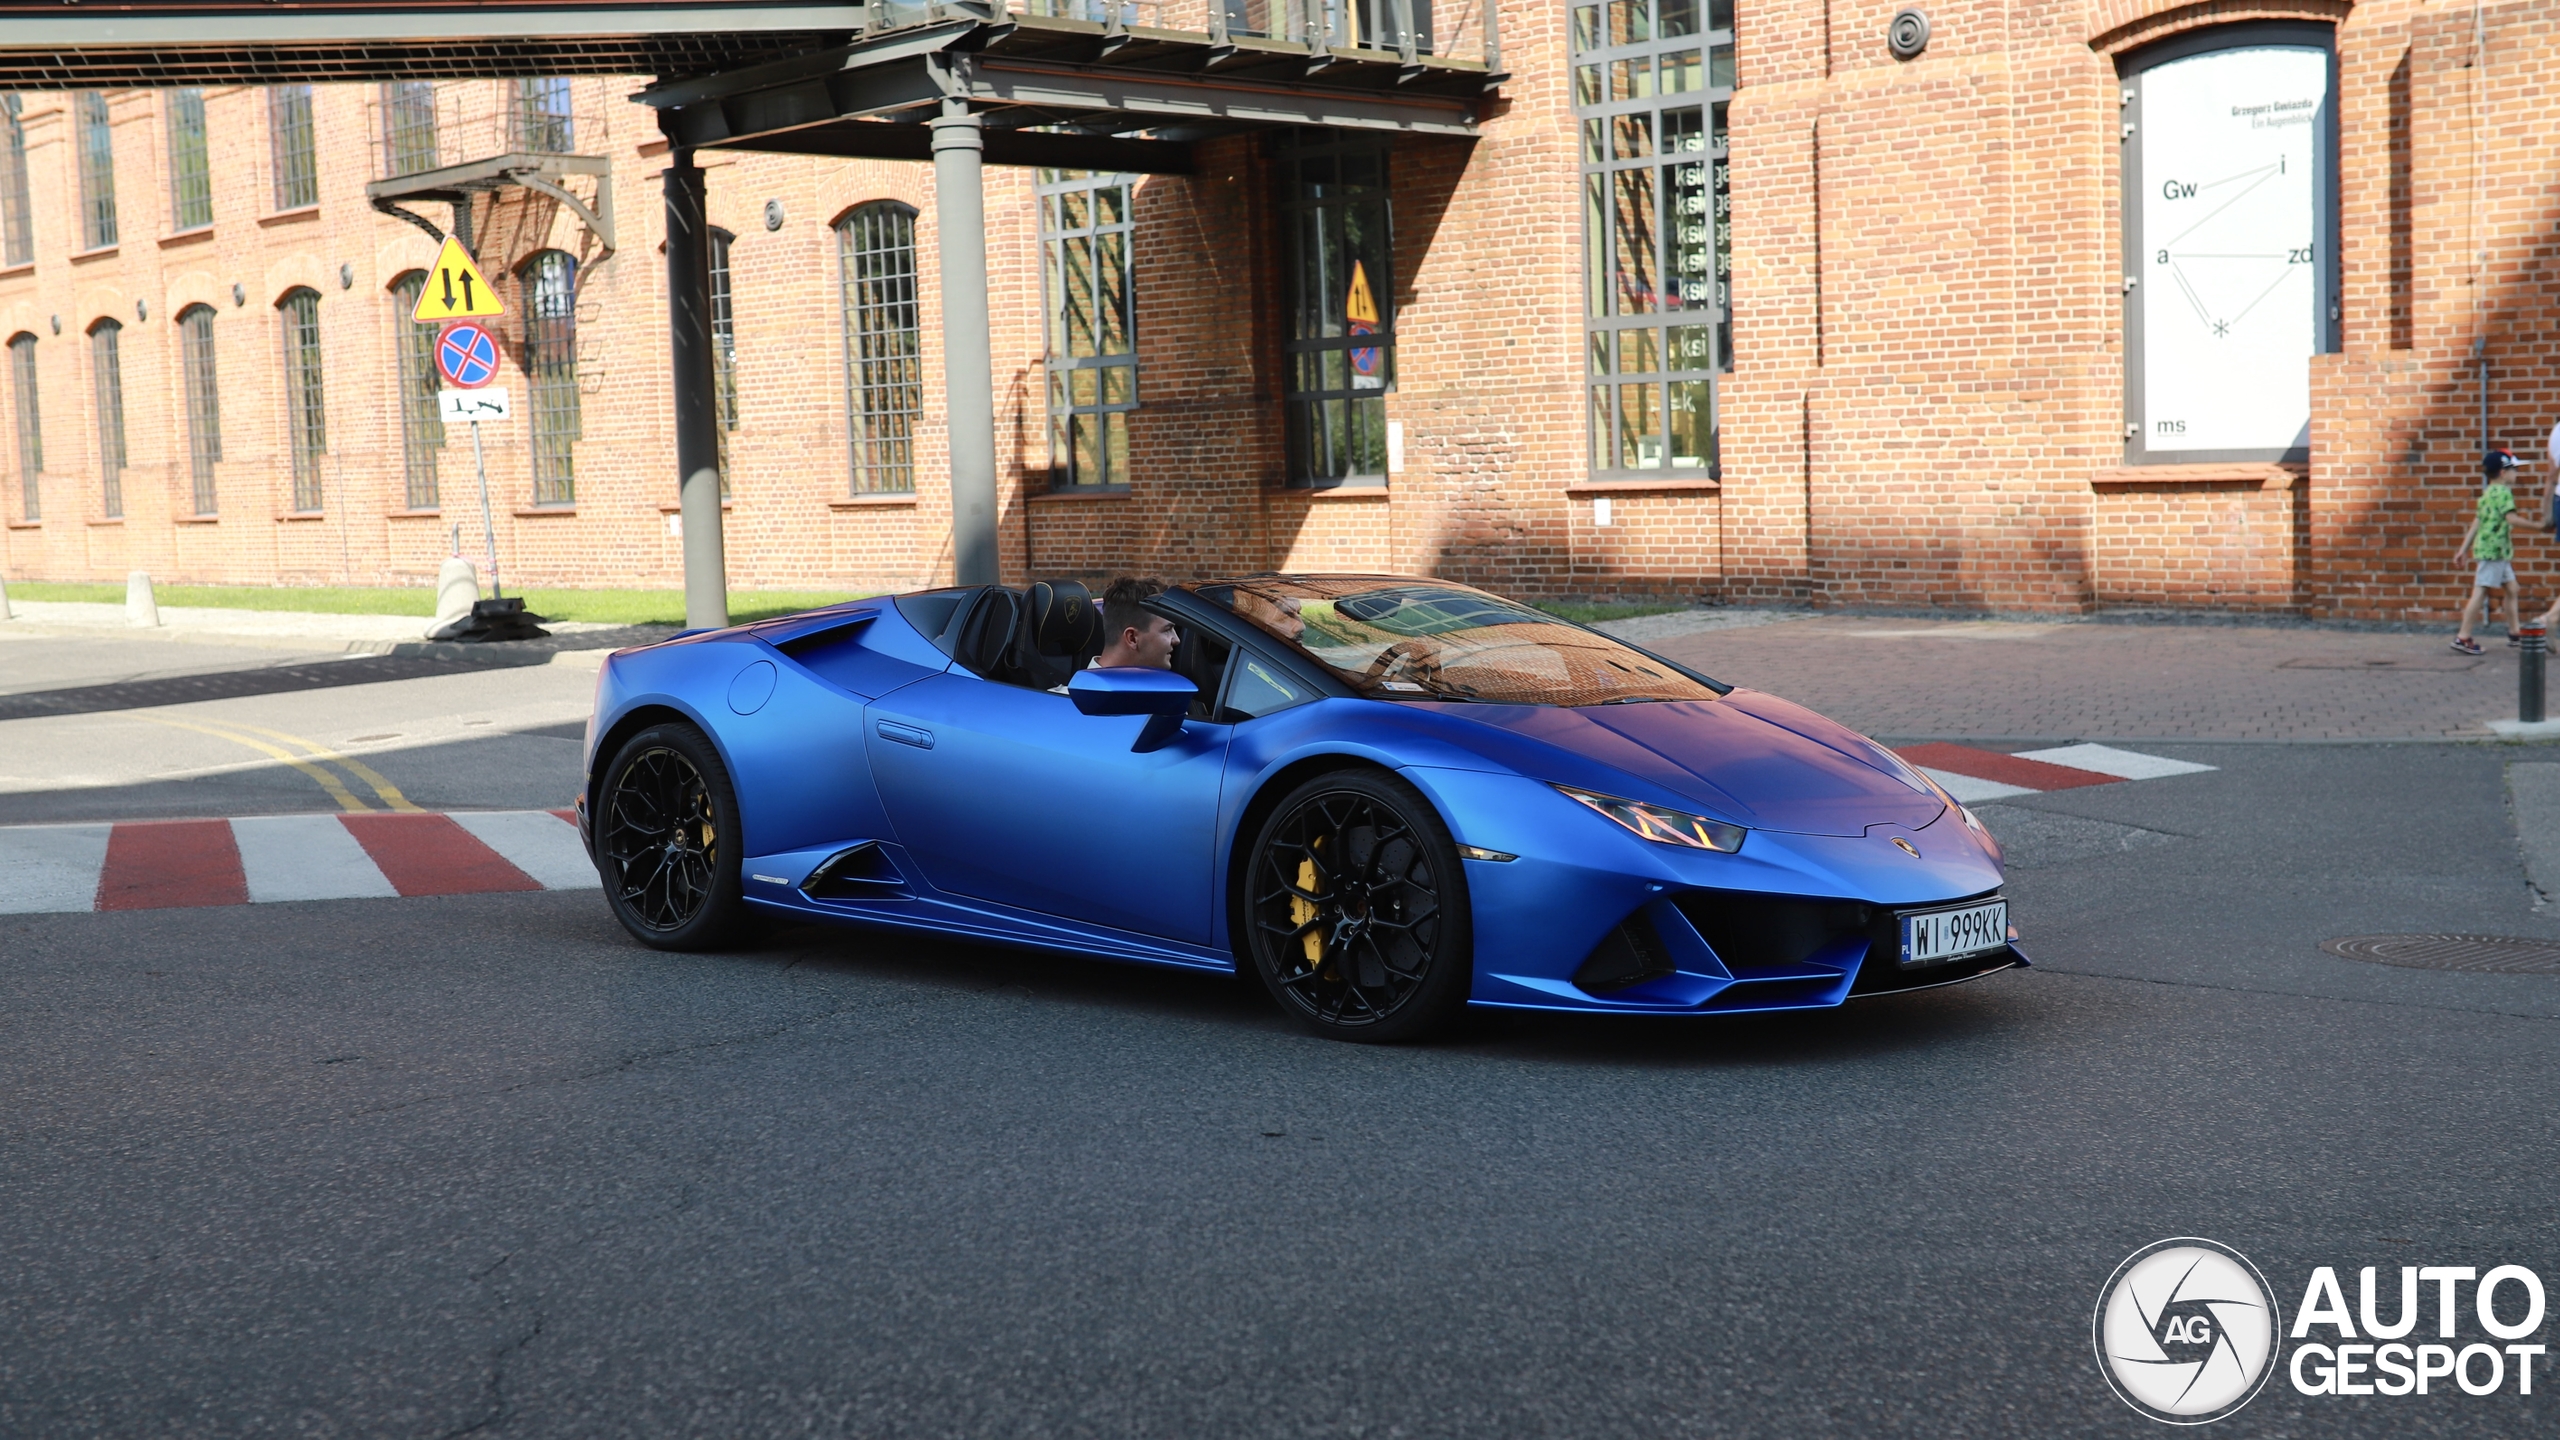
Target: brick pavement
column 1909, row 679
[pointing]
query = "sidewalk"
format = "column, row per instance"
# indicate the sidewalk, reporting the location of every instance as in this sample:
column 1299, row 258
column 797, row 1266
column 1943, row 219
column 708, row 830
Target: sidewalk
column 288, row 629
column 2064, row 680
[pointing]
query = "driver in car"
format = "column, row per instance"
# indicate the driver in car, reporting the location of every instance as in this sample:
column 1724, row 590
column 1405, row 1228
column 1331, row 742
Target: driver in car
column 1135, row 635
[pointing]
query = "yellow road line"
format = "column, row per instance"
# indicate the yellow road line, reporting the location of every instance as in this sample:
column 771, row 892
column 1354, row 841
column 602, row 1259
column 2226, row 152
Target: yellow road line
column 346, row 798
column 389, row 793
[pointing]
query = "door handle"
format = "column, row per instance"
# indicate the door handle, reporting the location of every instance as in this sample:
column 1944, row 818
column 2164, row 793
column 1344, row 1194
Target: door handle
column 915, row 735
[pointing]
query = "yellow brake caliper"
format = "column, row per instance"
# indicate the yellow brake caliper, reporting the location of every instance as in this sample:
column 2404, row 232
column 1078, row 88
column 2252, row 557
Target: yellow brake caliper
column 1301, row 910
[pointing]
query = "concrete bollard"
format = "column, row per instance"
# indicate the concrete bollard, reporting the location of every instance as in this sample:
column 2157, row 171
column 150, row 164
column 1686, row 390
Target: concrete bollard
column 5, row 612
column 457, row 589
column 140, row 610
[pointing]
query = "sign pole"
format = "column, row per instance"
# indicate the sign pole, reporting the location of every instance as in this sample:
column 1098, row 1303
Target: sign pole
column 488, row 526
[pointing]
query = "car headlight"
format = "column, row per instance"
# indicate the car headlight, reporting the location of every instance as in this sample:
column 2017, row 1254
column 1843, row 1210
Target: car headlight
column 1669, row 827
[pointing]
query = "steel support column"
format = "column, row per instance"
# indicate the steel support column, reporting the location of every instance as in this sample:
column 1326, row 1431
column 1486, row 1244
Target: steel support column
column 706, row 566
column 968, row 377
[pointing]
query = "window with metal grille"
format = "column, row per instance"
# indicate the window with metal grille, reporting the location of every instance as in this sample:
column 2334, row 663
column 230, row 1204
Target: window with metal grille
column 1651, row 80
column 1091, row 322
column 548, row 284
column 544, row 124
column 421, row 425
column 305, row 413
column 1341, row 347
column 883, row 344
column 190, row 163
column 724, row 349
column 17, row 207
column 408, row 126
column 204, row 401
column 294, row 147
column 22, row 390
column 97, row 151
column 106, row 374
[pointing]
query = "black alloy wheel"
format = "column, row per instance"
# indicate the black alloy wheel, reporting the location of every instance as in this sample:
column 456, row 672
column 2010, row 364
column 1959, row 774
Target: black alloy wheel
column 1356, row 912
column 666, row 843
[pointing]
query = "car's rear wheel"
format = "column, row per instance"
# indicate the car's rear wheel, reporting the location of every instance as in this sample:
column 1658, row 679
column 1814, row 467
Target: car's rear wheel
column 667, row 841
column 1356, row 909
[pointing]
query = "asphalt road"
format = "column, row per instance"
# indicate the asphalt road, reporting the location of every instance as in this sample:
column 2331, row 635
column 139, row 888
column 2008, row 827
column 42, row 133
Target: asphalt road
column 482, row 1166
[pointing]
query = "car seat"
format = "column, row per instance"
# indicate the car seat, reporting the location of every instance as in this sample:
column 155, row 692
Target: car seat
column 1060, row 632
column 985, row 641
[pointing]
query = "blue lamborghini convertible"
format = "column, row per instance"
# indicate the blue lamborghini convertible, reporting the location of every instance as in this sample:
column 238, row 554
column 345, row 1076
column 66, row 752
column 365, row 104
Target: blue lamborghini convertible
column 1388, row 798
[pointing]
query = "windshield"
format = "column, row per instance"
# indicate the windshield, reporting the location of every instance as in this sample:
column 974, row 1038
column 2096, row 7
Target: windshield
column 1405, row 640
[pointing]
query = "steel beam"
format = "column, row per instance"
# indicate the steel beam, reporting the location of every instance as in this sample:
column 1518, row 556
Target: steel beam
column 706, row 565
column 882, row 140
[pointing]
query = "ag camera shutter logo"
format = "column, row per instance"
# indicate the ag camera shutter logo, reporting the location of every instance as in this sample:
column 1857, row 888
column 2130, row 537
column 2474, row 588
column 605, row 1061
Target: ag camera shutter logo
column 2186, row 1330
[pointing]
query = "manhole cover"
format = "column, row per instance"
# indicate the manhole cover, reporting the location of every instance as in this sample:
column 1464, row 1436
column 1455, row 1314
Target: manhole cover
column 2479, row 954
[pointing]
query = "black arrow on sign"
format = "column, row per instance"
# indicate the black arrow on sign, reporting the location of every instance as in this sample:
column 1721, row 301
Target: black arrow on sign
column 448, row 287
column 467, row 303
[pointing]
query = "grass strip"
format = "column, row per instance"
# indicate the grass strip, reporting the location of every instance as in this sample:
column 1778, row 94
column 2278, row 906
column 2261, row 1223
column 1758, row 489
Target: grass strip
column 606, row 607
column 1594, row 614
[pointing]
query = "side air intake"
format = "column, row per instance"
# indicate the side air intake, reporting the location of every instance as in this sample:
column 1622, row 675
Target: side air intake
column 863, row 872
column 1629, row 955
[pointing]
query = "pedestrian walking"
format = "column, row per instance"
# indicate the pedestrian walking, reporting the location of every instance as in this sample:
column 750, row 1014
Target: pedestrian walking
column 2491, row 542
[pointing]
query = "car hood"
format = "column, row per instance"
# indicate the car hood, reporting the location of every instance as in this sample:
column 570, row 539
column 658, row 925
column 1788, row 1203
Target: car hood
column 1750, row 758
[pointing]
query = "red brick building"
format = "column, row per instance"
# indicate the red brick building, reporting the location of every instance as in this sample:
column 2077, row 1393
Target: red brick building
column 1802, row 302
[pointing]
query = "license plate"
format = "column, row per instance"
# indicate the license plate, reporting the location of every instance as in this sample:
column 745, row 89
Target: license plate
column 1933, row 937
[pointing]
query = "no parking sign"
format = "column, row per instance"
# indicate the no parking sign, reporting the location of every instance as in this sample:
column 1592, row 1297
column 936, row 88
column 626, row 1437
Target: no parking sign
column 466, row 356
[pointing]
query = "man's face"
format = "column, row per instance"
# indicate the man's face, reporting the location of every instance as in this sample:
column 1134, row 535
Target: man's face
column 1150, row 645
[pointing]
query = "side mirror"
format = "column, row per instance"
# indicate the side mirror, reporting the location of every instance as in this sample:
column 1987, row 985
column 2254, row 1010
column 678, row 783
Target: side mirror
column 1160, row 695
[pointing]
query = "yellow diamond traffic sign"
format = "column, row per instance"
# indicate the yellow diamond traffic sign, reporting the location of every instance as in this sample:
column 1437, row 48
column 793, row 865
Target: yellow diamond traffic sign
column 455, row 289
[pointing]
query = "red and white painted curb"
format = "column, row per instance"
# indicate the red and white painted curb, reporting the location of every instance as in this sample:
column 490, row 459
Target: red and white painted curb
column 172, row 864
column 1972, row 775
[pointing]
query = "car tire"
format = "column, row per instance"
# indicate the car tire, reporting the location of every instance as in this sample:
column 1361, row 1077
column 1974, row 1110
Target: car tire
column 667, row 841
column 1354, row 910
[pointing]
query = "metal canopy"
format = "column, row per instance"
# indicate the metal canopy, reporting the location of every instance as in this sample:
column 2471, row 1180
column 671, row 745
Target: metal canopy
column 1083, row 84
column 142, row 44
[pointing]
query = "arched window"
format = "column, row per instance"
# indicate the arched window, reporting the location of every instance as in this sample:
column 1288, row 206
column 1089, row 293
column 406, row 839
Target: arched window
column 548, row 284
column 421, row 426
column 204, row 401
column 22, row 390
column 106, row 373
column 883, row 344
column 305, row 413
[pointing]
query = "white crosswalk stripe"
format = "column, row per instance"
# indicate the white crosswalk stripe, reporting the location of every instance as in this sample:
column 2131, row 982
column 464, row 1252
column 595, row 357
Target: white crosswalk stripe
column 2107, row 760
column 305, row 857
column 536, row 842
column 51, row 867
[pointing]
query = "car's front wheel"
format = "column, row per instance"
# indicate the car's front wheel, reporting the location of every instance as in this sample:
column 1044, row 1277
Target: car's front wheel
column 667, row 841
column 1356, row 909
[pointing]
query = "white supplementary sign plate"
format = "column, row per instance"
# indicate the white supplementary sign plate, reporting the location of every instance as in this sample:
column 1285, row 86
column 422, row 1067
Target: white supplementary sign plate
column 456, row 406
column 1931, row 937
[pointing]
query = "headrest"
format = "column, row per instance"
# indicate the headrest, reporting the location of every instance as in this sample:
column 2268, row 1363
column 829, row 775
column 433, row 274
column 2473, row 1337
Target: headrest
column 1063, row 620
column 987, row 634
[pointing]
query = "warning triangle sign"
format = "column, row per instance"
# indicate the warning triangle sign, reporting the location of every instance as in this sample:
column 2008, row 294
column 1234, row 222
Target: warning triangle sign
column 455, row 289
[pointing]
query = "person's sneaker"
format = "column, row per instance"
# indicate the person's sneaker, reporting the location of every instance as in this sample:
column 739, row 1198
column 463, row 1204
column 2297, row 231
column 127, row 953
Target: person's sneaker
column 2466, row 645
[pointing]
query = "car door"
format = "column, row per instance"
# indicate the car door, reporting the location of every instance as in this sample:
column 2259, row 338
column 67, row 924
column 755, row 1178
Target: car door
column 1008, row 794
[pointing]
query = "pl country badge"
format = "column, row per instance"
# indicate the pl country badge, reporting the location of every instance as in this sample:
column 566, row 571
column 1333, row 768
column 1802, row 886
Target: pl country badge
column 2186, row 1331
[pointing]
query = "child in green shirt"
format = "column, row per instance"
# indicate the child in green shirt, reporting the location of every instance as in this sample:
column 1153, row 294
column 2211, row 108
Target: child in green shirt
column 2492, row 545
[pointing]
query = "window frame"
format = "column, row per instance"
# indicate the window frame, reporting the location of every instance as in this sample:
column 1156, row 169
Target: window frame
column 305, row 395
column 547, row 285
column 293, row 148
column 17, row 199
column 533, row 125
column 203, row 396
column 28, row 413
column 1309, row 305
column 411, row 138
column 422, row 437
column 106, row 386
column 1624, row 135
column 190, row 162
column 93, row 138
column 884, row 381
column 1081, row 388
